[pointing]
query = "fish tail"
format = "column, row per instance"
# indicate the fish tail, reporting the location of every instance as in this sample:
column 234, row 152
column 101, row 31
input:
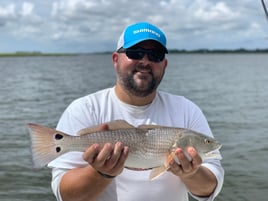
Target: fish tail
column 45, row 145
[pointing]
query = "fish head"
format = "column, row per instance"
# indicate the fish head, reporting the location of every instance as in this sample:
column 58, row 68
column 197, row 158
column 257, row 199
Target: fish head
column 203, row 144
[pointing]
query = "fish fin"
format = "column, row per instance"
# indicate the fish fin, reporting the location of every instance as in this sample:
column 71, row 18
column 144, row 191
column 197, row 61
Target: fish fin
column 170, row 157
column 119, row 124
column 144, row 126
column 89, row 130
column 112, row 125
column 45, row 144
column 158, row 171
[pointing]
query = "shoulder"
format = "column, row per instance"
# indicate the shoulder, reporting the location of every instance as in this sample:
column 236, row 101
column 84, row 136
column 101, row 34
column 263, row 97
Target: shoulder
column 186, row 113
column 83, row 112
column 177, row 100
column 96, row 97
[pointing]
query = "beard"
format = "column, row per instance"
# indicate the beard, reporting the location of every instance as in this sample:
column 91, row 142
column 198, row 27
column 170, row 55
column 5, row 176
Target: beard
column 137, row 84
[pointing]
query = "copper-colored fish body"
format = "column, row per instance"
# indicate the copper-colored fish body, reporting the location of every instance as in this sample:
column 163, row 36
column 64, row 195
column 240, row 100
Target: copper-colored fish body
column 150, row 146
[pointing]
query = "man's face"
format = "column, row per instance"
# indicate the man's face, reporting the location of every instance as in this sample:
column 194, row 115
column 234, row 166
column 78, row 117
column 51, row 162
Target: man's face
column 140, row 77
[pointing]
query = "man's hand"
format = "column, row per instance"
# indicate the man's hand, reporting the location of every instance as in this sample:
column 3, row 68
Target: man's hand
column 188, row 163
column 108, row 159
column 198, row 179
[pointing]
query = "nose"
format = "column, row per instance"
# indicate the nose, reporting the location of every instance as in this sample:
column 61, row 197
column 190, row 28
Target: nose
column 145, row 59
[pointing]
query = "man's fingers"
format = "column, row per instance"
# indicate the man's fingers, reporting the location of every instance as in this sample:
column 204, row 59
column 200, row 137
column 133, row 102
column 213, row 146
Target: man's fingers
column 115, row 155
column 196, row 159
column 189, row 162
column 123, row 156
column 109, row 159
column 91, row 153
column 104, row 155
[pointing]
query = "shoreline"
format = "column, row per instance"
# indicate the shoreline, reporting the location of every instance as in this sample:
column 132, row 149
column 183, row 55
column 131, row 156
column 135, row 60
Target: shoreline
column 31, row 54
column 171, row 51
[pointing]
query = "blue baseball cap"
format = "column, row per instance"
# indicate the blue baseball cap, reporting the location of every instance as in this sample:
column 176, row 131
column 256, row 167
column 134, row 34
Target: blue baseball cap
column 136, row 33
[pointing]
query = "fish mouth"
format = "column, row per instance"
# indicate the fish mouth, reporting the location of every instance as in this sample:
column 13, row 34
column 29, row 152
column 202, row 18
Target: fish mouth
column 213, row 154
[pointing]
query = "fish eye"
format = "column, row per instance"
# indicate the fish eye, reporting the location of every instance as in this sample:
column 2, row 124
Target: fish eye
column 207, row 141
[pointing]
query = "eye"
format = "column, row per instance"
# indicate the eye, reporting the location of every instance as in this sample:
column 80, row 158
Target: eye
column 207, row 141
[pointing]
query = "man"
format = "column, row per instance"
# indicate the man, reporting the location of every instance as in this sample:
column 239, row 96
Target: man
column 99, row 173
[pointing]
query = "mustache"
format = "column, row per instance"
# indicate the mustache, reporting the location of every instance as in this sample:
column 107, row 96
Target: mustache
column 143, row 68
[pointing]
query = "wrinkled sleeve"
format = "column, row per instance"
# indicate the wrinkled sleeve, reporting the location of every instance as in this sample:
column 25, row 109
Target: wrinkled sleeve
column 57, row 174
column 215, row 167
column 200, row 124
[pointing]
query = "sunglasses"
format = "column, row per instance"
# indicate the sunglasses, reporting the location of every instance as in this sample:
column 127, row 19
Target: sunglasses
column 138, row 54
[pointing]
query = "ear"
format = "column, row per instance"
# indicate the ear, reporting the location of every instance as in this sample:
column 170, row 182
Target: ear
column 165, row 63
column 115, row 58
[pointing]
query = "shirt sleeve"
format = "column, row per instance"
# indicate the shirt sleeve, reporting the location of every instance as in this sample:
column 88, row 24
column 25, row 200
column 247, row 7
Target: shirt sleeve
column 199, row 123
column 57, row 174
column 215, row 167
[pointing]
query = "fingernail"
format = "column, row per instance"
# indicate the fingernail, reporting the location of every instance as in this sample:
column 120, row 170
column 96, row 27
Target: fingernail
column 95, row 146
column 118, row 144
column 191, row 149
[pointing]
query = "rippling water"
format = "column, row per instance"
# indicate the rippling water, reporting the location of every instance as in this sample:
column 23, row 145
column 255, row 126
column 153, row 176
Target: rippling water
column 231, row 89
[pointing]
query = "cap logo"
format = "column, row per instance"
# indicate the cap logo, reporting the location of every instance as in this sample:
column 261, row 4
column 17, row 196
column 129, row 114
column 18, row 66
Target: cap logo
column 142, row 31
column 146, row 31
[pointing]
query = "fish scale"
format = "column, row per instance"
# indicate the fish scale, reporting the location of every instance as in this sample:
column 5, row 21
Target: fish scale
column 150, row 146
column 144, row 143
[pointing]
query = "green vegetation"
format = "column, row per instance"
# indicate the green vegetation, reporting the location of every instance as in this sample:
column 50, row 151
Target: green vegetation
column 221, row 51
column 171, row 51
column 27, row 54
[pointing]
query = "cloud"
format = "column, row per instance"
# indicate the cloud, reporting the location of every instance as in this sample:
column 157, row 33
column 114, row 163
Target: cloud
column 27, row 9
column 218, row 12
column 20, row 21
column 7, row 13
column 89, row 25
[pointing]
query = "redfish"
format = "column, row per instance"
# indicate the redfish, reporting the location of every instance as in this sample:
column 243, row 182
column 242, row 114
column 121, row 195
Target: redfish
column 150, row 146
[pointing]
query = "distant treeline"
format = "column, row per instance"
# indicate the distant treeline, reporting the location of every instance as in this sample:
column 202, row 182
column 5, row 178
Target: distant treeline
column 222, row 51
column 171, row 51
column 22, row 54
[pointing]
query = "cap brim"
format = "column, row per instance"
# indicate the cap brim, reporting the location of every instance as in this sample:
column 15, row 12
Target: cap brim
column 132, row 43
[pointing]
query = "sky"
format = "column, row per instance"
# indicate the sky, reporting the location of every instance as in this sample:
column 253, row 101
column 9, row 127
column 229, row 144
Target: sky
column 84, row 26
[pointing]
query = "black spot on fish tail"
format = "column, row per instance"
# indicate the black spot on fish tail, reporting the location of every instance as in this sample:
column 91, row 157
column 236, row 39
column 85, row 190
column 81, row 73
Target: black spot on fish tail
column 58, row 149
column 58, row 136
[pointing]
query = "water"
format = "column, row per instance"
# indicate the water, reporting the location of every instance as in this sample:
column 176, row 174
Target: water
column 231, row 89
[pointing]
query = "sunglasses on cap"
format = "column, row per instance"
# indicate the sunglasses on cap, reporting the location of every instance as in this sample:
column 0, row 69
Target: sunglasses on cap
column 138, row 54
